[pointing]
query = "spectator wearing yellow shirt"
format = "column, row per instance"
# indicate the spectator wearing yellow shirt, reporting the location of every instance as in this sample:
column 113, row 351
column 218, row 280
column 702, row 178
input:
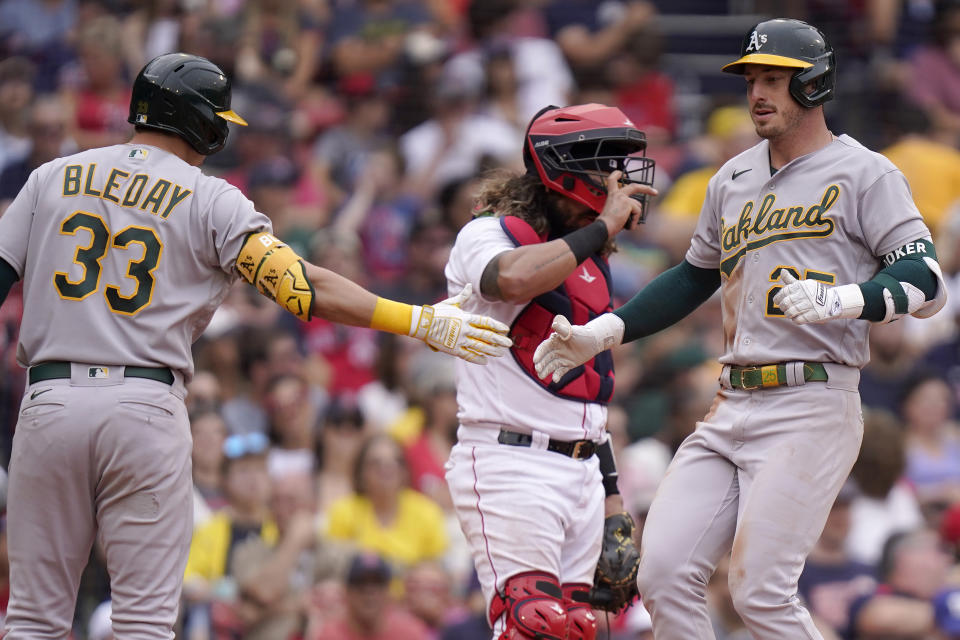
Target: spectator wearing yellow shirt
column 931, row 167
column 384, row 514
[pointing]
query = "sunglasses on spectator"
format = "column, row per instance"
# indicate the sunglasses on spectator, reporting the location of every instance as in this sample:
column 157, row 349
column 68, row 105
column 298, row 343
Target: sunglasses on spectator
column 245, row 444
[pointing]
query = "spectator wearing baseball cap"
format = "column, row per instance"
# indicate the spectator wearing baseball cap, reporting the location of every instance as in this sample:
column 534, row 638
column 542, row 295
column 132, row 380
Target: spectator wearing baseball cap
column 369, row 612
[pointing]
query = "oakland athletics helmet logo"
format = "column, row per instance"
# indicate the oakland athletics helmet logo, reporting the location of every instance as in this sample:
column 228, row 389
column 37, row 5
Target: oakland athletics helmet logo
column 756, row 41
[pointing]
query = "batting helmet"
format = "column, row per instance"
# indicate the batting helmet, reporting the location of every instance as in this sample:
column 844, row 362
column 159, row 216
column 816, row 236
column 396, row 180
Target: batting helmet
column 791, row 43
column 186, row 95
column 573, row 149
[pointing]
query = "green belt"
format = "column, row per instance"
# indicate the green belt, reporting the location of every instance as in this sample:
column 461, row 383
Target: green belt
column 773, row 375
column 55, row 370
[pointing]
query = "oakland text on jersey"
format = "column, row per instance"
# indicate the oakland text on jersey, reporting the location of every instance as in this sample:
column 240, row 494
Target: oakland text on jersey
column 160, row 198
column 775, row 225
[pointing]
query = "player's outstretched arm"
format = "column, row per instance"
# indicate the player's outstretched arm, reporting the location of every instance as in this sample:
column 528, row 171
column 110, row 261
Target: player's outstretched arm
column 444, row 326
column 911, row 283
column 672, row 295
column 306, row 290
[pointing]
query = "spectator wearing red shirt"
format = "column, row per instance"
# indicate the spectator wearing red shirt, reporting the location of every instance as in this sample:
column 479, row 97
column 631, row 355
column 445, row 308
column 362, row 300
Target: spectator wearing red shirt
column 369, row 613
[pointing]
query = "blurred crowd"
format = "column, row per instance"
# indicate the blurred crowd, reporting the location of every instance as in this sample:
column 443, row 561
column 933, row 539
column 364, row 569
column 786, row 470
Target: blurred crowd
column 321, row 510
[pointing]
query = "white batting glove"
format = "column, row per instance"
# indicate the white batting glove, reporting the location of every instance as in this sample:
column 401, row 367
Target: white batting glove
column 806, row 301
column 446, row 327
column 569, row 346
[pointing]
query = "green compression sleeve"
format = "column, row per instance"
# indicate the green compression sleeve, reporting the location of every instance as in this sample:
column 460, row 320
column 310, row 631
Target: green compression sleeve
column 671, row 296
column 910, row 269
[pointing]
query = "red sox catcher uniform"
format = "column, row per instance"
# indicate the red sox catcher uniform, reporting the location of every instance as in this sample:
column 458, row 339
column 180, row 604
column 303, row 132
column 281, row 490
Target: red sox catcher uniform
column 810, row 237
column 532, row 464
column 125, row 252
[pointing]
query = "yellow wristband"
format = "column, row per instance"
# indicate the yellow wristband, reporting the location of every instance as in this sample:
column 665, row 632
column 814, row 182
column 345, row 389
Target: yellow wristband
column 392, row 316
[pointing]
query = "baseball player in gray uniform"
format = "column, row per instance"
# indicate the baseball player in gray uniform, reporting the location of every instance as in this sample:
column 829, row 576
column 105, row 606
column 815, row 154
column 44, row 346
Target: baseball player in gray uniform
column 125, row 252
column 810, row 237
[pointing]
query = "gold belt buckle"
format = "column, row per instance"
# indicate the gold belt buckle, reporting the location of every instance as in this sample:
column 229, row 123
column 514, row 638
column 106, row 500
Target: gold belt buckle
column 743, row 384
column 576, row 449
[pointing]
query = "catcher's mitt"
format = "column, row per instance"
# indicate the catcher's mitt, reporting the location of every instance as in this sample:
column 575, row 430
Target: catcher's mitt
column 615, row 581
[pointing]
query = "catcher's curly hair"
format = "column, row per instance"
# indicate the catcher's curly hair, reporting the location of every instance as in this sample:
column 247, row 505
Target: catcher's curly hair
column 507, row 193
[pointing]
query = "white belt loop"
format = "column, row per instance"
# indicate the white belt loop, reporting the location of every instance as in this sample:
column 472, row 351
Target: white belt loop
column 725, row 377
column 795, row 374
column 540, row 440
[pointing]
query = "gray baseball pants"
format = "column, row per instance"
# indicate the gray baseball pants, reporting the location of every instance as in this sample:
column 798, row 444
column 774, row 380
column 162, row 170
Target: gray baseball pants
column 106, row 458
column 758, row 476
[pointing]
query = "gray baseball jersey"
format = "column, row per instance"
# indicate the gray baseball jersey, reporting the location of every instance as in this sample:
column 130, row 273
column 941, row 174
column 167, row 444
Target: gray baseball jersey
column 829, row 215
column 125, row 253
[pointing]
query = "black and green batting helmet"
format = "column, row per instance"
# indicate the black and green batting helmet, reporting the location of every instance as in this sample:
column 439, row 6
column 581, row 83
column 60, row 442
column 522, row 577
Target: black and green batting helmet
column 186, row 95
column 789, row 43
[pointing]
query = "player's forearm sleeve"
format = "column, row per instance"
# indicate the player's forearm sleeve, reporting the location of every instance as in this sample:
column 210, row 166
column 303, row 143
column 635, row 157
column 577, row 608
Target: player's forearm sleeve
column 671, row 296
column 7, row 278
column 910, row 270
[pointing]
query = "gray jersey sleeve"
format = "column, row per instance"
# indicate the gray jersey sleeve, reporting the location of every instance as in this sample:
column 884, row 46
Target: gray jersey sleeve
column 231, row 218
column 704, row 251
column 15, row 225
column 888, row 216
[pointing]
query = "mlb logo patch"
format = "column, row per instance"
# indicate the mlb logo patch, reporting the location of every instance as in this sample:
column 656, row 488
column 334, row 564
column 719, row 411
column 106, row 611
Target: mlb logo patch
column 98, row 372
column 137, row 154
column 141, row 118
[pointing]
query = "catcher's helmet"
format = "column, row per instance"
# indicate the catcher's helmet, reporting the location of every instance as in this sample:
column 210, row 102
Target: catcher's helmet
column 186, row 95
column 791, row 43
column 573, row 149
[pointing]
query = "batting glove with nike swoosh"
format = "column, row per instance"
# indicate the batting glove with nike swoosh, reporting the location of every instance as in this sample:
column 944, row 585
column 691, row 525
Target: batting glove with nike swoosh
column 569, row 346
column 806, row 301
column 448, row 328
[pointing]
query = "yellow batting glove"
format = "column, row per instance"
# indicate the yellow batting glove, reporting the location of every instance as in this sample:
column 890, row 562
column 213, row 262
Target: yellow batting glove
column 446, row 327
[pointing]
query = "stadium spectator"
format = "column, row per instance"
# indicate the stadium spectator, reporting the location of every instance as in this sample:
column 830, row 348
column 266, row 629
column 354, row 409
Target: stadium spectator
column 939, row 59
column 16, row 96
column 96, row 90
column 885, row 503
column 932, row 445
column 831, row 579
column 384, row 515
column 209, row 433
column 274, row 581
column 47, row 129
column 913, row 599
column 369, row 611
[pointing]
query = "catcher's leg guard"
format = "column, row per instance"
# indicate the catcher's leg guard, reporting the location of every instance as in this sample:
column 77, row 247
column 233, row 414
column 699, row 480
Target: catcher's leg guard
column 532, row 606
column 581, row 623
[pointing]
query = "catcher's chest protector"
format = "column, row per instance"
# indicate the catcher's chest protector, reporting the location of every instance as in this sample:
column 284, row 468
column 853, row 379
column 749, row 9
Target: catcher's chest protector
column 584, row 295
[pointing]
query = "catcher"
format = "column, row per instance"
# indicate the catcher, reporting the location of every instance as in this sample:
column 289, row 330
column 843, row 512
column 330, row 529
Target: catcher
column 532, row 474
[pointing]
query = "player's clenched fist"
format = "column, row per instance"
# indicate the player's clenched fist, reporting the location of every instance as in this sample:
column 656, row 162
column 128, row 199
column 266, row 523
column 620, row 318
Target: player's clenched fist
column 569, row 346
column 446, row 327
column 805, row 301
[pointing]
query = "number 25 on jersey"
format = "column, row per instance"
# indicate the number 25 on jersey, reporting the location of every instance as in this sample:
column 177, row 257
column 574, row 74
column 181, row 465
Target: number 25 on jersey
column 773, row 310
column 89, row 257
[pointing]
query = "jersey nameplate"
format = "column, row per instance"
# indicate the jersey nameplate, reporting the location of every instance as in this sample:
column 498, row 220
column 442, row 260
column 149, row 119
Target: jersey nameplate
column 158, row 196
column 774, row 225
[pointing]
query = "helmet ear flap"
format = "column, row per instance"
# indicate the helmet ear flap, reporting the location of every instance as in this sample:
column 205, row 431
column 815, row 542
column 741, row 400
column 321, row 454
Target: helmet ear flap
column 528, row 162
